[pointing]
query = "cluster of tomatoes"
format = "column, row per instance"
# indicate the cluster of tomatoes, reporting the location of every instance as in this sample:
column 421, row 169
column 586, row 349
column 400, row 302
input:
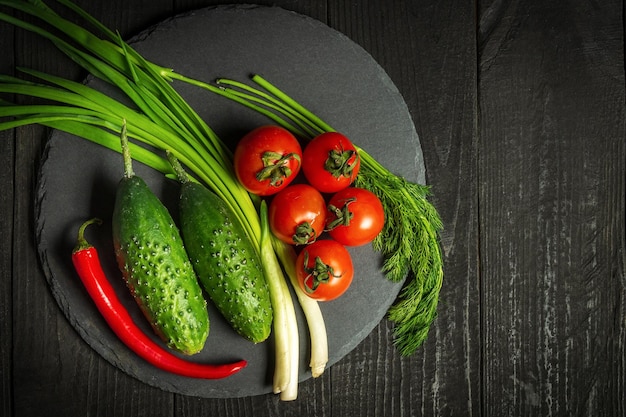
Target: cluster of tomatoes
column 267, row 161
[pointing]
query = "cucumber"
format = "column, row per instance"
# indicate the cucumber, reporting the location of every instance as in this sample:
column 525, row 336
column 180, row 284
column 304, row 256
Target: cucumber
column 155, row 265
column 225, row 261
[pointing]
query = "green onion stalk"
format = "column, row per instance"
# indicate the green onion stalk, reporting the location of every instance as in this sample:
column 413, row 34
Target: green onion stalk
column 161, row 119
column 409, row 241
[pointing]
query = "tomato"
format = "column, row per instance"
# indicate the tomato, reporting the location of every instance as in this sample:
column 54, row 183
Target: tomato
column 324, row 270
column 267, row 159
column 297, row 214
column 355, row 216
column 330, row 162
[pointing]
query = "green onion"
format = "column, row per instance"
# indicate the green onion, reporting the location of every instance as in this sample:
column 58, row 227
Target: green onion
column 158, row 117
column 310, row 308
column 286, row 332
column 409, row 241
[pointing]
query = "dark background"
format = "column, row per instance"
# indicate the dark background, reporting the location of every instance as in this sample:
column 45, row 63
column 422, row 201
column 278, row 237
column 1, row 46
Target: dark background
column 519, row 106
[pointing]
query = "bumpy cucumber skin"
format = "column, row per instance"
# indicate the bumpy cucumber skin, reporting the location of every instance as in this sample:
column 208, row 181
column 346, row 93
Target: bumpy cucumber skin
column 156, row 267
column 228, row 267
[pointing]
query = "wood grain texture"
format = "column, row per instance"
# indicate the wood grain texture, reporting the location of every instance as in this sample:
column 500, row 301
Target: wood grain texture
column 7, row 159
column 552, row 212
column 313, row 394
column 431, row 62
column 54, row 369
column 36, row 346
column 520, row 108
column 7, row 181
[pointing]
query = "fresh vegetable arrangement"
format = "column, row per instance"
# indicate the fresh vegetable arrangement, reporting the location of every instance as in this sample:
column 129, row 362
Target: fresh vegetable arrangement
column 403, row 224
column 155, row 265
column 297, row 214
column 160, row 118
column 87, row 263
column 355, row 216
column 409, row 240
column 330, row 162
column 324, row 270
column 265, row 172
column 226, row 263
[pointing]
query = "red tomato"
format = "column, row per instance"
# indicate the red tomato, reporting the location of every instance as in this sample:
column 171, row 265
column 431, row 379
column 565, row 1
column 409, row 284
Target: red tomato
column 267, row 159
column 324, row 270
column 330, row 162
column 297, row 214
column 355, row 216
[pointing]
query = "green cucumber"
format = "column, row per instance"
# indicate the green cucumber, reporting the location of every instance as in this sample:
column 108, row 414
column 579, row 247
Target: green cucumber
column 226, row 262
column 155, row 264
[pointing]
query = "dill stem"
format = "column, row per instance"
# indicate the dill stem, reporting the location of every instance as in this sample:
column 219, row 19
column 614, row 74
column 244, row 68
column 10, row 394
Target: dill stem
column 402, row 198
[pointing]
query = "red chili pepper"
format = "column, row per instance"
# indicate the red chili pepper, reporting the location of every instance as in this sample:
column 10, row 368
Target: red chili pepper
column 87, row 263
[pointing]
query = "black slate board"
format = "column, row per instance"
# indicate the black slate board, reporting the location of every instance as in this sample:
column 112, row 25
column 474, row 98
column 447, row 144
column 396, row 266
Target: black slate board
column 319, row 67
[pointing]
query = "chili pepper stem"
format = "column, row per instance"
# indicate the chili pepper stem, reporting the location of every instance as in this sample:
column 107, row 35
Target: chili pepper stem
column 87, row 264
column 81, row 242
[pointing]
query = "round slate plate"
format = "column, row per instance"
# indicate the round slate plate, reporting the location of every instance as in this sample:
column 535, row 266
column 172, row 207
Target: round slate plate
column 319, row 67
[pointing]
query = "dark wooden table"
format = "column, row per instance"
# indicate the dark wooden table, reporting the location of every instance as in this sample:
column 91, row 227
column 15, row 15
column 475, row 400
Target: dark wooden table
column 520, row 108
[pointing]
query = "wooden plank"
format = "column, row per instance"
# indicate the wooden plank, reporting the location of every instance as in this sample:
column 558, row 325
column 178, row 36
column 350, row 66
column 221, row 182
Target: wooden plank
column 313, row 394
column 53, row 368
column 428, row 49
column 7, row 183
column 58, row 372
column 551, row 183
column 314, row 9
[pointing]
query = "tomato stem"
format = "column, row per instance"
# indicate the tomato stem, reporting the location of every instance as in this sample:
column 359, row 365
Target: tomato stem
column 343, row 216
column 305, row 233
column 341, row 163
column 276, row 167
column 319, row 273
column 410, row 218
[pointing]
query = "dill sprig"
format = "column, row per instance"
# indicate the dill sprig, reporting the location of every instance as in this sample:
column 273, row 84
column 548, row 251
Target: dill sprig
column 409, row 241
column 159, row 117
